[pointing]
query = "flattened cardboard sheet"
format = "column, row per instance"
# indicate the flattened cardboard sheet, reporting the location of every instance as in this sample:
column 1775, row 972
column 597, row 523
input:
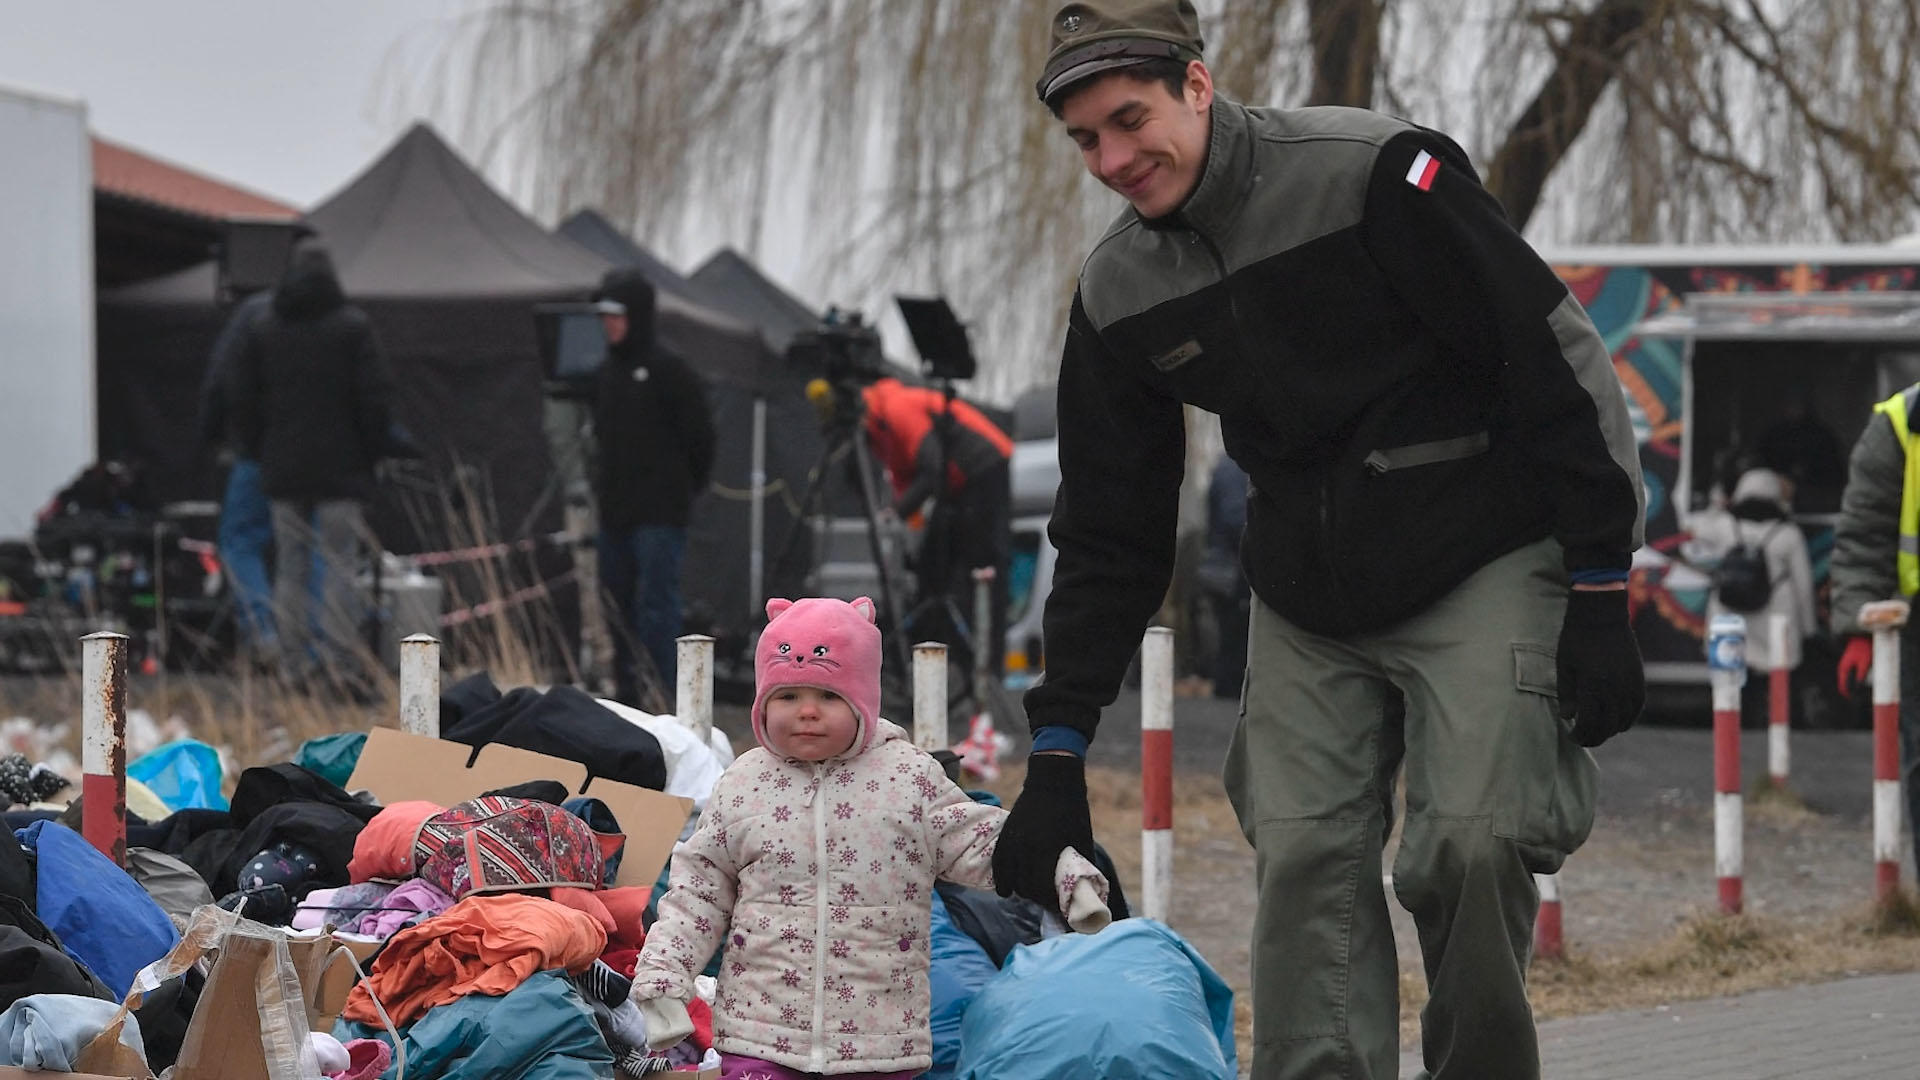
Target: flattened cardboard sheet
column 396, row 765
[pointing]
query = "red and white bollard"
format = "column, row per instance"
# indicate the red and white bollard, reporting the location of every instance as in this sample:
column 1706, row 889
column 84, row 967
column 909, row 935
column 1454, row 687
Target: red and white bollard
column 1549, row 942
column 1885, row 618
column 1727, row 667
column 930, row 696
column 1156, row 773
column 103, row 745
column 420, row 685
column 1779, row 701
column 693, row 690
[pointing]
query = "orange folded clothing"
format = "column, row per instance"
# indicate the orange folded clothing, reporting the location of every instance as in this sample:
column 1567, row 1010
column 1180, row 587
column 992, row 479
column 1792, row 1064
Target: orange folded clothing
column 627, row 905
column 488, row 943
column 384, row 848
column 587, row 902
column 618, row 911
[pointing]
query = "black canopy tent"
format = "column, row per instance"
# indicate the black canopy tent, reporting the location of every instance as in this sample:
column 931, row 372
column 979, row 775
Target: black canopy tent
column 591, row 230
column 729, row 282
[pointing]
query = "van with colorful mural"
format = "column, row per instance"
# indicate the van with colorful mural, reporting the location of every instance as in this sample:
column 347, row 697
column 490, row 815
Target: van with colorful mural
column 1733, row 357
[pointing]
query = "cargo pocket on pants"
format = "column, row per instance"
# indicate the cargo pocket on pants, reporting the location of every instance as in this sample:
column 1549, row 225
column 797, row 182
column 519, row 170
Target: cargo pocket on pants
column 1551, row 811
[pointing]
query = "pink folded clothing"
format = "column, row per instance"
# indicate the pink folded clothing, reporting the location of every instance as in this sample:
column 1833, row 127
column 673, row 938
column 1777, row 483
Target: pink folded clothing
column 404, row 905
column 366, row 1060
column 384, row 849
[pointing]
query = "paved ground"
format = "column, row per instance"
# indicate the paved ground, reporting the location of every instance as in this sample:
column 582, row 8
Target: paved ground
column 1847, row 1030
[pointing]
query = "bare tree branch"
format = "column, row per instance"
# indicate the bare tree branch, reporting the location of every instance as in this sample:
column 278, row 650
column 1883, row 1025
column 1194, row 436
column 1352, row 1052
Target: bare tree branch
column 1588, row 59
column 868, row 147
column 1346, row 48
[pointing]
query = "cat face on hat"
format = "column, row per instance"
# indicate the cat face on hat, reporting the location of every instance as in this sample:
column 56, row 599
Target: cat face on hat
column 824, row 644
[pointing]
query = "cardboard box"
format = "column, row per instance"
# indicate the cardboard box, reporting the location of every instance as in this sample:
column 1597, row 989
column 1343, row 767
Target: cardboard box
column 395, row 765
column 329, row 993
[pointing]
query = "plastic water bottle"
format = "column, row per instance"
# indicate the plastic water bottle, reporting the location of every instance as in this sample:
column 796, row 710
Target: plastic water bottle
column 1727, row 651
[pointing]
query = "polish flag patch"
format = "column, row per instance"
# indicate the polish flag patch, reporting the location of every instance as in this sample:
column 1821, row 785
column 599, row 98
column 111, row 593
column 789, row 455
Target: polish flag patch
column 1424, row 168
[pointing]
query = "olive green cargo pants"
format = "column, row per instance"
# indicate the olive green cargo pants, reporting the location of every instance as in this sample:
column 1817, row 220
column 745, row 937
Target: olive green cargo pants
column 1496, row 790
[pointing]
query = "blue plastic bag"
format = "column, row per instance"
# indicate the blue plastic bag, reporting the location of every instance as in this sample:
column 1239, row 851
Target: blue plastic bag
column 184, row 774
column 960, row 967
column 1132, row 1002
column 104, row 919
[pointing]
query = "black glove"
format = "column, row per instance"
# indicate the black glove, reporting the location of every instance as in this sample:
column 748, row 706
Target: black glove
column 1603, row 685
column 1049, row 816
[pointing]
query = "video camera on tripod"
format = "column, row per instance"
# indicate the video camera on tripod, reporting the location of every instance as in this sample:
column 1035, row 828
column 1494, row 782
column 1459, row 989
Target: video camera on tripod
column 846, row 351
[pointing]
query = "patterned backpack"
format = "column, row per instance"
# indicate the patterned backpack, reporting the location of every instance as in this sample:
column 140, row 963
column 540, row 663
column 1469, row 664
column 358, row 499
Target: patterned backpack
column 500, row 844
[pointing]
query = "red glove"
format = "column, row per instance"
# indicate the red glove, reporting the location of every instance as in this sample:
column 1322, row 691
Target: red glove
column 1855, row 663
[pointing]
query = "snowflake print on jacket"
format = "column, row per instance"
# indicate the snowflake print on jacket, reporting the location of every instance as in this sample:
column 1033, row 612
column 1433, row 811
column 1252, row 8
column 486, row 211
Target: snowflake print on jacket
column 830, row 864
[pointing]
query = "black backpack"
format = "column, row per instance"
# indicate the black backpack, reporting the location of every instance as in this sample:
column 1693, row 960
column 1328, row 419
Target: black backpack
column 1741, row 580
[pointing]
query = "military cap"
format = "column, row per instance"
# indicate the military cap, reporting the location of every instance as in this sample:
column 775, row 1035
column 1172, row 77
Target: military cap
column 1095, row 36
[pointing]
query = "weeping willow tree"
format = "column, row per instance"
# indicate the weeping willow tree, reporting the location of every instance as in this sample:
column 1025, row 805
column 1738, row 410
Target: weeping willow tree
column 900, row 141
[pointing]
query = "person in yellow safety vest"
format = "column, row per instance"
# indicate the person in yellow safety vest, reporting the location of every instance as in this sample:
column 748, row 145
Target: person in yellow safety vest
column 1876, row 557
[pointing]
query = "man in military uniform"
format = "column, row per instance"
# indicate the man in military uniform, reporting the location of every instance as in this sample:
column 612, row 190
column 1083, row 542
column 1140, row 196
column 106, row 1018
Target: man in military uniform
column 1445, row 497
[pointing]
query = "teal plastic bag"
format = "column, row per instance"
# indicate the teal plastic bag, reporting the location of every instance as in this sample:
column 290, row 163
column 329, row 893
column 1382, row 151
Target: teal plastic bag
column 185, row 775
column 332, row 756
column 1132, row 1002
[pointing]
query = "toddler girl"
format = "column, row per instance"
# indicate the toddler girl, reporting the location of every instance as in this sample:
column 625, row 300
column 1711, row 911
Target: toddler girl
column 815, row 860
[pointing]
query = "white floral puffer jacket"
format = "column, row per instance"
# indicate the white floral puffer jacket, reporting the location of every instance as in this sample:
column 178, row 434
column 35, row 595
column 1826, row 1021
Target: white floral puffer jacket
column 820, row 875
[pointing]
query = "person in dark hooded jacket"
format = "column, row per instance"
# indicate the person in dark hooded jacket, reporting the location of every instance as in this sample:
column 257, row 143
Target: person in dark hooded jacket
column 656, row 444
column 246, row 517
column 310, row 399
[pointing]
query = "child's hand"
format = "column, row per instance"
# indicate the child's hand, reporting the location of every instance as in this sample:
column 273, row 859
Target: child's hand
column 1087, row 910
column 667, row 1022
column 1082, row 893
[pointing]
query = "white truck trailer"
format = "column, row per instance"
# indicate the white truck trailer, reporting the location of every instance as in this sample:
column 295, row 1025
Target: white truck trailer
column 47, row 410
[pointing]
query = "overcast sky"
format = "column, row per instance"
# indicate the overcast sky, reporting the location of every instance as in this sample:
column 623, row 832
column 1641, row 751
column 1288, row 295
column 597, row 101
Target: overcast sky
column 287, row 99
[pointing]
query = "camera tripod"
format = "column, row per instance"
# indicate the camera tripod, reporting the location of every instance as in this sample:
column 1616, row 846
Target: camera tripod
column 935, row 613
column 844, row 438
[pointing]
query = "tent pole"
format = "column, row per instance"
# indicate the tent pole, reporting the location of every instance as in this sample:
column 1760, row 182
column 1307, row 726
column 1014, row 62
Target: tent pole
column 757, row 514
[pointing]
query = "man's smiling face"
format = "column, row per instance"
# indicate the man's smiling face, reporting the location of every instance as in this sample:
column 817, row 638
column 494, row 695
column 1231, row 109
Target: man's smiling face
column 1141, row 139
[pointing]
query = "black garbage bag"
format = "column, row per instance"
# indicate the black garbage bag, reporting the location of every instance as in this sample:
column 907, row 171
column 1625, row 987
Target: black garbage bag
column 564, row 722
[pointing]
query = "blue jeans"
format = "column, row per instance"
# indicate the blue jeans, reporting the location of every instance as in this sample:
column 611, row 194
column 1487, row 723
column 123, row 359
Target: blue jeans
column 640, row 570
column 246, row 529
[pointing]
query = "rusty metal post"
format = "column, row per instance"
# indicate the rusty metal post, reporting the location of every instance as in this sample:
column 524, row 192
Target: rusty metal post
column 930, row 696
column 693, row 696
column 420, row 685
column 103, row 747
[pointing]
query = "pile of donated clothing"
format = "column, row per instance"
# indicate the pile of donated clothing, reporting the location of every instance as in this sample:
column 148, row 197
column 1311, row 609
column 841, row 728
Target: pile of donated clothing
column 515, row 963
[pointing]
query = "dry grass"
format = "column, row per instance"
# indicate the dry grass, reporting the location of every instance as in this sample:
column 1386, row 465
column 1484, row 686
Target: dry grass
column 1771, row 803
column 1712, row 955
column 260, row 716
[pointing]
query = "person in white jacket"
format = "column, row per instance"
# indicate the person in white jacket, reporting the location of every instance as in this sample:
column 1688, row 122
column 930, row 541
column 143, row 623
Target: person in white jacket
column 1760, row 516
column 814, row 863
